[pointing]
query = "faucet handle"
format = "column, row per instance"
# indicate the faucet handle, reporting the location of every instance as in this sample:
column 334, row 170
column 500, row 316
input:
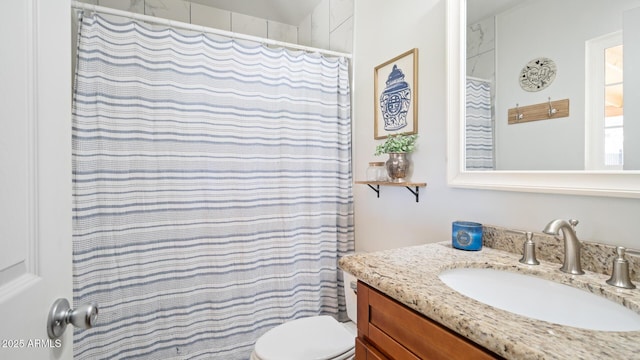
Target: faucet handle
column 620, row 273
column 529, row 250
column 573, row 223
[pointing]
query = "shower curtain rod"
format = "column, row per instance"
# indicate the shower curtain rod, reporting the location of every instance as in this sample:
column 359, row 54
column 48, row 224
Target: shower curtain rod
column 202, row 29
column 477, row 78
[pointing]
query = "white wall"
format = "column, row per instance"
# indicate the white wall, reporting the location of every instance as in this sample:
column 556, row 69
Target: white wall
column 384, row 29
column 631, row 90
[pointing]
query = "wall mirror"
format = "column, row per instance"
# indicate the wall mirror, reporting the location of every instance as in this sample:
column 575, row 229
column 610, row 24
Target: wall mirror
column 490, row 42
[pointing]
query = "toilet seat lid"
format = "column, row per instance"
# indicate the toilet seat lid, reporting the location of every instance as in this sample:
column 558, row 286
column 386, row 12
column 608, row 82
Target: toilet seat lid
column 311, row 338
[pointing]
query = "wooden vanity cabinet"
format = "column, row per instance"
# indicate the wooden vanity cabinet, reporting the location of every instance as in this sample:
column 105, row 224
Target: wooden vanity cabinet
column 390, row 330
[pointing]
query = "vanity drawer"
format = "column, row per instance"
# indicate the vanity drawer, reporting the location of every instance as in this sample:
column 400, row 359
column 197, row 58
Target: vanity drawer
column 365, row 351
column 402, row 333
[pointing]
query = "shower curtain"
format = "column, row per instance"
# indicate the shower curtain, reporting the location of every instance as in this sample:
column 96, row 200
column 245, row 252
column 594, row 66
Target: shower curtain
column 212, row 190
column 478, row 126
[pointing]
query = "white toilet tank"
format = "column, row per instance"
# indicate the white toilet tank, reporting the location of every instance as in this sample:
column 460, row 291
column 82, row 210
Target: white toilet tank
column 350, row 296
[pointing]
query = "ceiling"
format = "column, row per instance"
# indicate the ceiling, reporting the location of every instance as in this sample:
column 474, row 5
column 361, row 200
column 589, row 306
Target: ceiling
column 290, row 12
column 480, row 9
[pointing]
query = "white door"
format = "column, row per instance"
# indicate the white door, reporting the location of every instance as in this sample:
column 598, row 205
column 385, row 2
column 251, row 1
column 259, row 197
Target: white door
column 35, row 175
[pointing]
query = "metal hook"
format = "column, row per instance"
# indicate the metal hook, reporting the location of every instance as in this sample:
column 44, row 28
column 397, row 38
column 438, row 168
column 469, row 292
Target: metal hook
column 519, row 115
column 552, row 110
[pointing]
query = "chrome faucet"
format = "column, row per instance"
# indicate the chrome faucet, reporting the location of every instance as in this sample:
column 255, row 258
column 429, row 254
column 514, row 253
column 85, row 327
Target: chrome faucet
column 571, row 263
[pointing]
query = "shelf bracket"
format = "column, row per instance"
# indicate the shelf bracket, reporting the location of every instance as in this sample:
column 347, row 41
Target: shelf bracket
column 416, row 193
column 375, row 186
column 376, row 189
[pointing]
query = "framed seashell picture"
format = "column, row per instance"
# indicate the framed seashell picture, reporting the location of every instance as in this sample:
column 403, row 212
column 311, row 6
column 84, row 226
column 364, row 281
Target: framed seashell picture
column 395, row 96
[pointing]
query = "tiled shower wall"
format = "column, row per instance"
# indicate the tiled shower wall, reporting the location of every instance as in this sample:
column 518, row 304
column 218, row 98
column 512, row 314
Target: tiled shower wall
column 481, row 49
column 329, row 26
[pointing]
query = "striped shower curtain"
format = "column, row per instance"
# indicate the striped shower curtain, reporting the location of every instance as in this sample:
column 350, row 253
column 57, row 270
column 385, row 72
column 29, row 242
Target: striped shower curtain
column 478, row 126
column 212, row 190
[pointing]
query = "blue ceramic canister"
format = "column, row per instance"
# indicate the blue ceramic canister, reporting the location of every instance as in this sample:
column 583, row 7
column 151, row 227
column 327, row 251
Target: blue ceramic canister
column 466, row 235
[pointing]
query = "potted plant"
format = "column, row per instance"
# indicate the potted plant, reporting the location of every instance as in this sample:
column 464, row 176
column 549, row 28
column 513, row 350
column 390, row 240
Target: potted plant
column 397, row 146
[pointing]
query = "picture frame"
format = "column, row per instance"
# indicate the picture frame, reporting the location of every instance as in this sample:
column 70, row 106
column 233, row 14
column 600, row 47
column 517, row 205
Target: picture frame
column 395, row 103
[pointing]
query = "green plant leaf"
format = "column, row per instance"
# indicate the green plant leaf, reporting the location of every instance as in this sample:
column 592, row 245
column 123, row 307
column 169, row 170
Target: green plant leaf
column 396, row 143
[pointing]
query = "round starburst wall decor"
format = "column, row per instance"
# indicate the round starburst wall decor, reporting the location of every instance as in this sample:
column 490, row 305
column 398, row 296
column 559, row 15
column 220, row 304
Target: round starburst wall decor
column 537, row 74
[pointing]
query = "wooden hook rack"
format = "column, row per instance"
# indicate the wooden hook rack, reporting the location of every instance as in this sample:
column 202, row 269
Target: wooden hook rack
column 543, row 111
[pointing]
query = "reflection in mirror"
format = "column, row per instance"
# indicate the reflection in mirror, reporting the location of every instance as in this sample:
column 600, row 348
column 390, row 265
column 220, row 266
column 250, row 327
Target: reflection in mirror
column 576, row 182
column 585, row 42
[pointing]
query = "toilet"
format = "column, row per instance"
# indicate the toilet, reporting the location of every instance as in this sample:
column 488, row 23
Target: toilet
column 312, row 338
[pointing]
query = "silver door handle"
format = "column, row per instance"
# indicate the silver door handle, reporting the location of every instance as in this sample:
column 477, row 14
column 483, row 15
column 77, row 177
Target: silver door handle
column 61, row 314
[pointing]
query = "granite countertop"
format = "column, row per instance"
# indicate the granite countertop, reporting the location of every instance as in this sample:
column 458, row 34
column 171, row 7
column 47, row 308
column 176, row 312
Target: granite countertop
column 410, row 276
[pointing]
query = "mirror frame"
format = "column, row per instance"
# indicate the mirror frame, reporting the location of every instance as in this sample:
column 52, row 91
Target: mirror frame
column 592, row 183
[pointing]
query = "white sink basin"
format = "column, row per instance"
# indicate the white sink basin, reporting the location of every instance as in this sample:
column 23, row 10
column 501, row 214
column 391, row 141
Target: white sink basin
column 541, row 299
